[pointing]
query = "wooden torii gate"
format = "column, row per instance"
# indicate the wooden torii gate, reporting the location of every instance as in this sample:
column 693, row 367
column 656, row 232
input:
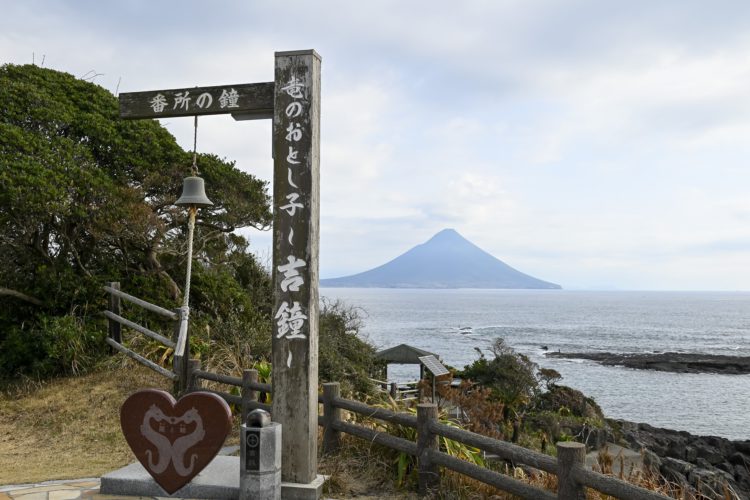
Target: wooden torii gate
column 292, row 101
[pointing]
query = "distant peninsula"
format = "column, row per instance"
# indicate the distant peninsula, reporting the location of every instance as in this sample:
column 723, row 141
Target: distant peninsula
column 447, row 260
column 678, row 362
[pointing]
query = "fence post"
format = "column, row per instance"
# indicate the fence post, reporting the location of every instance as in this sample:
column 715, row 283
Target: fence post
column 569, row 456
column 115, row 329
column 192, row 384
column 427, row 443
column 331, row 414
column 394, row 390
column 248, row 393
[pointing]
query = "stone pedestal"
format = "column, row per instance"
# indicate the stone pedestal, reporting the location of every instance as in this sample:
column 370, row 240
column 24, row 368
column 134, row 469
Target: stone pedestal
column 260, row 462
column 302, row 491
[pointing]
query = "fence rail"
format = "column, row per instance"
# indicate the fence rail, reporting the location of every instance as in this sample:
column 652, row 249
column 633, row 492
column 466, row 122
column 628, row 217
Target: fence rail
column 499, row 481
column 117, row 321
column 393, row 417
column 573, row 478
column 134, row 355
column 142, row 303
column 504, row 450
column 135, row 326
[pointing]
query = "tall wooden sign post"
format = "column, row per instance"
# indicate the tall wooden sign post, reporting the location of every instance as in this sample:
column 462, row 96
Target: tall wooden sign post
column 296, row 193
column 292, row 100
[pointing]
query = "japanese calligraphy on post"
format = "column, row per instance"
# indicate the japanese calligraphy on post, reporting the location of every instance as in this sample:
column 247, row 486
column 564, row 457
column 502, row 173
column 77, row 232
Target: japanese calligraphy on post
column 296, row 195
column 292, row 313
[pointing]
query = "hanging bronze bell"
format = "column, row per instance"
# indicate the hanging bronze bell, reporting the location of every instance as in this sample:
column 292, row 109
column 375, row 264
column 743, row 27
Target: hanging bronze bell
column 193, row 193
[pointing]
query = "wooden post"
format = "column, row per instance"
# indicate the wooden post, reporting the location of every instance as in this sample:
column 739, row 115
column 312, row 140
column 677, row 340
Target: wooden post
column 427, row 442
column 331, row 414
column 394, row 390
column 570, row 455
column 192, row 381
column 248, row 393
column 115, row 329
column 296, row 195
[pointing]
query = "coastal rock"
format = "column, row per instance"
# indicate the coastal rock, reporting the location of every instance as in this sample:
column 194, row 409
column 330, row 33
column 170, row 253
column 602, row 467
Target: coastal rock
column 674, row 468
column 702, row 463
column 678, row 362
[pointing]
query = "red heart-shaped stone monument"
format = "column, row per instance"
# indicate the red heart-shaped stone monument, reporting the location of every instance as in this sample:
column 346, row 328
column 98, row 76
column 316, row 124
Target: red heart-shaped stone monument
column 175, row 440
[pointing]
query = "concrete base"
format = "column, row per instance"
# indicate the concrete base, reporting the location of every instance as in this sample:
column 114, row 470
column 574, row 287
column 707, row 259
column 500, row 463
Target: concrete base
column 220, row 480
column 301, row 491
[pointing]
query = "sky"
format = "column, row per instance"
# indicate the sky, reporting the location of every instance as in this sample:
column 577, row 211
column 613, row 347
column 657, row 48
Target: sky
column 594, row 144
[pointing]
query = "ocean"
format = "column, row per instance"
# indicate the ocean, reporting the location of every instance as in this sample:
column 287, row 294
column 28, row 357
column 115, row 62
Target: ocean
column 454, row 323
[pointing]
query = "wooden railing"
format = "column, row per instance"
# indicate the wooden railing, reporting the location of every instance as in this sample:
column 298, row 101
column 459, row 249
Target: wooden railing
column 572, row 476
column 177, row 343
column 250, row 388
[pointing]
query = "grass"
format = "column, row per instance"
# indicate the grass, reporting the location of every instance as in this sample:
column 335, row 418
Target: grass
column 360, row 470
column 69, row 427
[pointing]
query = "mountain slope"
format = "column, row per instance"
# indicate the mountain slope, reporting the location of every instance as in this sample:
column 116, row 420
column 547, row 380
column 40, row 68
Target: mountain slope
column 447, row 260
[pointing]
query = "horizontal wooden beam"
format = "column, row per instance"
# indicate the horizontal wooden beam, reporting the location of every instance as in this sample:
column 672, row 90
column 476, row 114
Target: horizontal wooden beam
column 613, row 486
column 229, row 398
column 142, row 303
column 229, row 380
column 500, row 481
column 244, row 101
column 138, row 328
column 504, row 450
column 137, row 357
column 401, row 418
column 383, row 438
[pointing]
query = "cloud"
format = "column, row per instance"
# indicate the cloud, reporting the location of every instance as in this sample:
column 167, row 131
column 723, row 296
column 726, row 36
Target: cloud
column 584, row 142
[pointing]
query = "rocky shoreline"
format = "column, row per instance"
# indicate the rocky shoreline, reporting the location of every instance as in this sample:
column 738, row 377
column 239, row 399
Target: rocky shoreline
column 666, row 361
column 703, row 463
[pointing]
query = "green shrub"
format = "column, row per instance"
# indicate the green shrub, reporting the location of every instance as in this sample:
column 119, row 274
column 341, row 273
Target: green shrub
column 343, row 356
column 55, row 345
column 509, row 375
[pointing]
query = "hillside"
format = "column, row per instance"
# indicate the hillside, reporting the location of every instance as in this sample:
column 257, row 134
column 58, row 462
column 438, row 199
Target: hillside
column 447, row 260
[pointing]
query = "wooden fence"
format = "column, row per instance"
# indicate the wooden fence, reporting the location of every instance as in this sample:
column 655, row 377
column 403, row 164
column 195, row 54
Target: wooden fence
column 573, row 477
column 178, row 343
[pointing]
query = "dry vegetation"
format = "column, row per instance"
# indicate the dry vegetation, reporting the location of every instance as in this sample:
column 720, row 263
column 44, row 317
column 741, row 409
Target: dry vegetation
column 68, row 427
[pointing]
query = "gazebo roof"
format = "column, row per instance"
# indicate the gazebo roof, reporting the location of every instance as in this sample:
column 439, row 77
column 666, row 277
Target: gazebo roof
column 403, row 354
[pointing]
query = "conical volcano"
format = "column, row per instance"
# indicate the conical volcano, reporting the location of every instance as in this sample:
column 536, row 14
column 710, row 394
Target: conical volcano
column 447, row 260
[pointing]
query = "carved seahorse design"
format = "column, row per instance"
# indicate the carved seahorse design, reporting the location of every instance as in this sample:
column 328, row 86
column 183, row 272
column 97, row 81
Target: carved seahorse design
column 162, row 444
column 181, row 445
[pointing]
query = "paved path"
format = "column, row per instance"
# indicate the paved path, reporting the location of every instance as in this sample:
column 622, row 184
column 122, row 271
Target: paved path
column 74, row 489
column 54, row 490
